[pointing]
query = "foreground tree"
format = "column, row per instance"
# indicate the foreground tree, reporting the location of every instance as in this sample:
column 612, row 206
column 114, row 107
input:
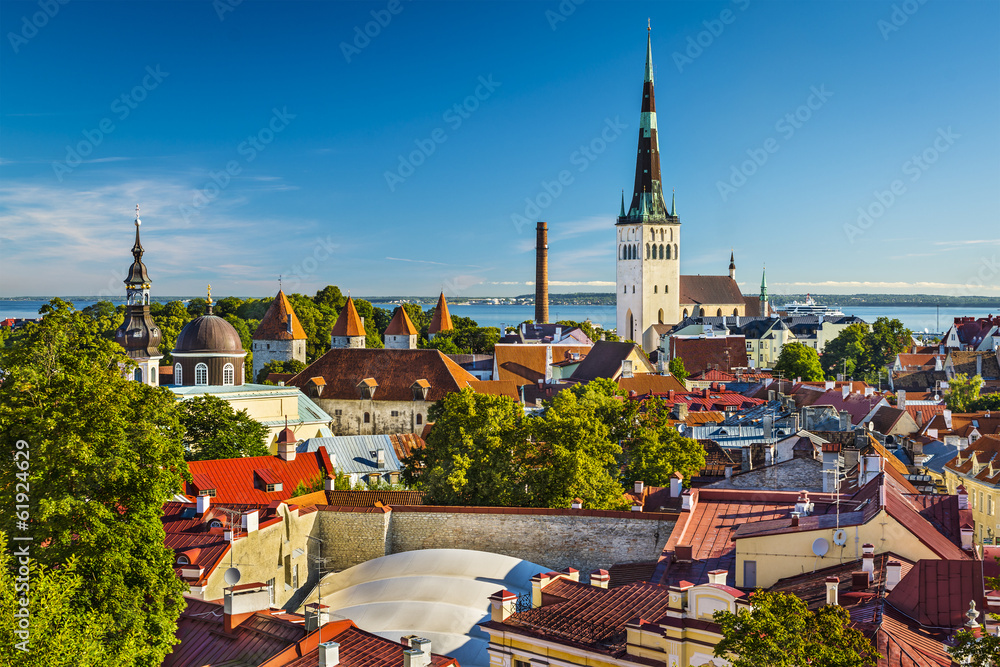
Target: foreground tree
column 780, row 631
column 847, row 352
column 654, row 450
column 982, row 650
column 102, row 456
column 798, row 360
column 472, row 456
column 60, row 634
column 887, row 339
column 213, row 430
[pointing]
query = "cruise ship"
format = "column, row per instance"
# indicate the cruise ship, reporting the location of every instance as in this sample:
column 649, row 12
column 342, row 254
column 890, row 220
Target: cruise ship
column 809, row 307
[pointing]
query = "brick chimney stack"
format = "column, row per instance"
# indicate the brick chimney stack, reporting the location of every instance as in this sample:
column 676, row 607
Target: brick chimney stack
column 542, row 274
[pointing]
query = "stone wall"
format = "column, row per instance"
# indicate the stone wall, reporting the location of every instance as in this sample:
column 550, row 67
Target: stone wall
column 352, row 535
column 265, row 351
column 348, row 416
column 555, row 538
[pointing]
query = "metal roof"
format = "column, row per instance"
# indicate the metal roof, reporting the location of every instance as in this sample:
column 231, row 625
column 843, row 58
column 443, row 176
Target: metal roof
column 354, row 452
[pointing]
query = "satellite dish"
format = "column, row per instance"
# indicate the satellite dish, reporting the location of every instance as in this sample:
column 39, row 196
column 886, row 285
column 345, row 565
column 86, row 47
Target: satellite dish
column 232, row 576
column 820, row 547
column 840, row 537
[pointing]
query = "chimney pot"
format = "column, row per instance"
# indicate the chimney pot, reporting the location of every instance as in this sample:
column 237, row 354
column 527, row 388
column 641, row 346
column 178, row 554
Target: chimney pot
column 204, row 502
column 600, row 578
column 717, row 577
column 893, row 573
column 639, row 485
column 329, row 654
column 832, row 589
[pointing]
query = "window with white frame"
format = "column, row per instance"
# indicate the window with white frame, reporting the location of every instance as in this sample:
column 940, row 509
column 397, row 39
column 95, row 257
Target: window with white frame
column 228, row 375
column 201, row 374
column 178, row 374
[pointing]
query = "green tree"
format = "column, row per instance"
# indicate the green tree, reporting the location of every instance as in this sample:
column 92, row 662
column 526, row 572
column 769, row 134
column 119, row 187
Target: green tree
column 676, row 368
column 847, row 352
column 654, row 450
column 229, row 305
column 317, row 321
column 886, row 339
column 444, row 341
column 331, row 297
column 373, row 335
column 574, row 454
column 780, row 631
column 472, row 453
column 61, row 633
column 987, row 402
column 276, row 366
column 799, row 360
column 213, row 430
column 105, row 454
column 963, row 392
column 421, row 320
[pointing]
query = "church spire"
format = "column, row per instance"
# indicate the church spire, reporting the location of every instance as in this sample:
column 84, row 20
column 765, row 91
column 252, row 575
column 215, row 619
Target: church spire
column 622, row 214
column 732, row 264
column 137, row 278
column 647, row 165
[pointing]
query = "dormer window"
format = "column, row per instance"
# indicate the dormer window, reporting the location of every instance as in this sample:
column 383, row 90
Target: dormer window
column 183, row 560
column 420, row 388
column 207, row 492
column 215, row 523
column 274, row 487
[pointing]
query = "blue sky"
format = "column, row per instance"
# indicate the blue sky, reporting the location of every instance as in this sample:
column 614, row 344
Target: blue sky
column 312, row 122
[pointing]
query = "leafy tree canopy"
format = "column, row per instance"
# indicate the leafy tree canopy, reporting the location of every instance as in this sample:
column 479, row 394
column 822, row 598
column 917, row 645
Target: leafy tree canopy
column 213, row 430
column 676, row 368
column 799, row 360
column 963, row 392
column 780, row 631
column 277, row 366
column 105, row 454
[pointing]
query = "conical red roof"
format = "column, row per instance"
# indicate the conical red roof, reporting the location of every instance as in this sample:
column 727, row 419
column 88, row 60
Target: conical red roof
column 274, row 325
column 348, row 322
column 442, row 319
column 401, row 325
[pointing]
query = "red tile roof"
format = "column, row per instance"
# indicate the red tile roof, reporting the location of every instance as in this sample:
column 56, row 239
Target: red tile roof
column 348, row 322
column 441, row 321
column 204, row 643
column 395, row 371
column 913, row 362
column 936, row 593
column 644, row 384
column 979, row 461
column 236, row 480
column 400, row 325
column 274, row 325
column 923, row 413
column 525, row 363
column 702, row 354
column 581, row 614
column 369, row 498
column 358, row 648
column 506, row 388
column 710, row 290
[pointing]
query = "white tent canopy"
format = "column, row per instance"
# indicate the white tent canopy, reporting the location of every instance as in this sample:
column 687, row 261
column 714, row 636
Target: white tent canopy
column 439, row 594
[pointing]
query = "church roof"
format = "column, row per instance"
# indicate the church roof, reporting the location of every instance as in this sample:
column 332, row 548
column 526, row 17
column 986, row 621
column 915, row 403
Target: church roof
column 401, row 325
column 209, row 333
column 274, row 325
column 442, row 318
column 699, row 290
column 647, row 195
column 348, row 322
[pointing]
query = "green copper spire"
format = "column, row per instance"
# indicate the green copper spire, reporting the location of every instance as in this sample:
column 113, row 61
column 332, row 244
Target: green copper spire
column 622, row 214
column 763, row 284
column 673, row 204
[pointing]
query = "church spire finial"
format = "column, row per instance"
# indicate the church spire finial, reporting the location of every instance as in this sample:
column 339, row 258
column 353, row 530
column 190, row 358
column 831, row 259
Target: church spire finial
column 622, row 214
column 647, row 165
column 649, row 51
column 673, row 204
column 208, row 301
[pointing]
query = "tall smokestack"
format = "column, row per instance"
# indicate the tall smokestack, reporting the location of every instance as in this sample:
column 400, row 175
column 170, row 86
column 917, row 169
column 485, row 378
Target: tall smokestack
column 542, row 274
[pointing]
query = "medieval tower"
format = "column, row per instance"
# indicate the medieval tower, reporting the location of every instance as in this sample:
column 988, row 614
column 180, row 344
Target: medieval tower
column 648, row 238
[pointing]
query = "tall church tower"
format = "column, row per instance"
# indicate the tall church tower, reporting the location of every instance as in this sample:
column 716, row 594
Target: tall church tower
column 648, row 238
column 138, row 334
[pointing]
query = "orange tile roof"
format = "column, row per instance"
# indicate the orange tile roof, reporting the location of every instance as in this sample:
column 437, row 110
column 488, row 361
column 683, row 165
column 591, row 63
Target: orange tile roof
column 525, row 364
column 442, row 318
column 649, row 383
column 401, row 325
column 348, row 322
column 496, row 388
column 236, row 480
column 274, row 325
column 979, row 460
column 703, row 417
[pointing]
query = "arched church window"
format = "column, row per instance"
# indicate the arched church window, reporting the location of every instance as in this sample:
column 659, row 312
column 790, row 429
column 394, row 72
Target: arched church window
column 178, row 374
column 671, row 234
column 647, row 251
column 633, row 289
column 201, row 374
column 718, row 313
column 152, row 375
column 666, row 289
column 420, row 419
column 701, row 312
column 736, row 312
column 676, row 256
column 661, row 316
column 137, row 376
column 368, row 418
column 228, row 375
column 654, row 288
column 652, row 233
